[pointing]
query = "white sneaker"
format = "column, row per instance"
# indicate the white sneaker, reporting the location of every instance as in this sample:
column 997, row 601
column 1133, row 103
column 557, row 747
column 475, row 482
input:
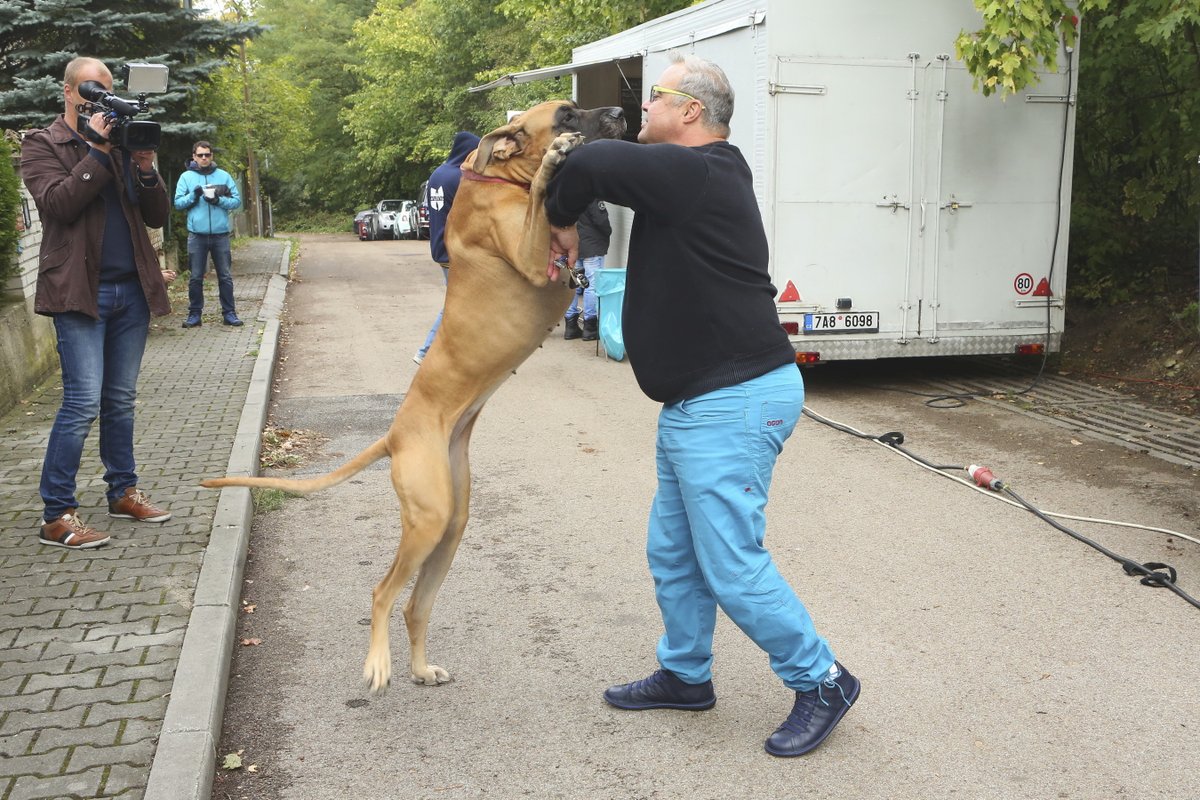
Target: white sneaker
column 418, row 358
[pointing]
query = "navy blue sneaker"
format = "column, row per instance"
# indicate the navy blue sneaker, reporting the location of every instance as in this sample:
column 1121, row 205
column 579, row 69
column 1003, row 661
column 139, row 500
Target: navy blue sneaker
column 193, row 320
column 814, row 716
column 663, row 689
column 232, row 319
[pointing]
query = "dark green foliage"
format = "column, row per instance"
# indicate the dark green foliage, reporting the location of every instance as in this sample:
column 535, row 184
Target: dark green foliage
column 1136, row 198
column 10, row 205
column 39, row 37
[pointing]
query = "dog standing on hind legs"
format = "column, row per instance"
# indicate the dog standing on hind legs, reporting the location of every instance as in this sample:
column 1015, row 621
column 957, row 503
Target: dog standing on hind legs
column 499, row 243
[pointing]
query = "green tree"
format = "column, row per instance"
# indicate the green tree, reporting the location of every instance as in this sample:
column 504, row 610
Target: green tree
column 1136, row 193
column 10, row 204
column 38, row 38
column 301, row 74
column 420, row 57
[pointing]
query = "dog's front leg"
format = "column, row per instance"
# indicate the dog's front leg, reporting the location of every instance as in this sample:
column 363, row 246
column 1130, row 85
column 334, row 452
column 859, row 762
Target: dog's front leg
column 533, row 252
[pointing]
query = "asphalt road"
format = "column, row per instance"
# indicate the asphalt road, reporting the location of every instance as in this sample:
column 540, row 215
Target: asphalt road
column 999, row 658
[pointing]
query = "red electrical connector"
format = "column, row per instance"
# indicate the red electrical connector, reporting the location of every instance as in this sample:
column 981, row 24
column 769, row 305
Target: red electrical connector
column 983, row 477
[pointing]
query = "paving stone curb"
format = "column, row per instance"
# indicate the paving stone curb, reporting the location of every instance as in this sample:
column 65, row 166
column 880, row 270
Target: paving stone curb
column 113, row 661
column 185, row 762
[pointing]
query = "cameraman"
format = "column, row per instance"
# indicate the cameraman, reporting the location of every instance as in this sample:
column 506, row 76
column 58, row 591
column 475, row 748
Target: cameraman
column 208, row 193
column 99, row 278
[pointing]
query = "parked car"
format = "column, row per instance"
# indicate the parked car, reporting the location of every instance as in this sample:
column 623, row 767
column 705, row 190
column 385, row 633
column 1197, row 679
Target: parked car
column 382, row 221
column 405, row 224
column 360, row 223
column 423, row 212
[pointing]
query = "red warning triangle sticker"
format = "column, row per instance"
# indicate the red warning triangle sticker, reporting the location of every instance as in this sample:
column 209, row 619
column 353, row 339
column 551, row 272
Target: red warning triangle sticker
column 790, row 295
column 1043, row 289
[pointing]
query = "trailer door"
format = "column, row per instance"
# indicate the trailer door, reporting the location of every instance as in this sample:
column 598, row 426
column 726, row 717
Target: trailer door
column 845, row 143
column 991, row 195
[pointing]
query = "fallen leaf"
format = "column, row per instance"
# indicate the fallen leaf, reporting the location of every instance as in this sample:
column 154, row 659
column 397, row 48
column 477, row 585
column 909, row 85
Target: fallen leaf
column 1076, row 442
column 251, row 642
column 252, row 768
column 250, row 608
column 232, row 761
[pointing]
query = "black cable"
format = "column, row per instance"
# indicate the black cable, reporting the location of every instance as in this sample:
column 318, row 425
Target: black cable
column 1151, row 572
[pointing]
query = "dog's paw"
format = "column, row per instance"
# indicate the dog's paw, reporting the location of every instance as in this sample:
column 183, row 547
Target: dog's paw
column 563, row 144
column 432, row 675
column 377, row 673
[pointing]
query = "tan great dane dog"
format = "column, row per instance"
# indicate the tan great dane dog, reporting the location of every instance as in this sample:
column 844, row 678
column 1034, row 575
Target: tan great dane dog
column 499, row 240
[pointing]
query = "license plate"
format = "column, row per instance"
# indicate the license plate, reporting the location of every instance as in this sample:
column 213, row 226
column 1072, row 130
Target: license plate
column 844, row 322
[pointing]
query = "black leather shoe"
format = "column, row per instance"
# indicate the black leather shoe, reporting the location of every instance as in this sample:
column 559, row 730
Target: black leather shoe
column 814, row 716
column 591, row 329
column 662, row 690
column 571, row 328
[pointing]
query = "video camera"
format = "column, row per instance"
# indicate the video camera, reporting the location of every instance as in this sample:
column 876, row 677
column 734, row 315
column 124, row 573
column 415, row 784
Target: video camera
column 128, row 133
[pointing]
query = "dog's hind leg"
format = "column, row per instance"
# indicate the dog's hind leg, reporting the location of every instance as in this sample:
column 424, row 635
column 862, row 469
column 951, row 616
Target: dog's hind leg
column 421, row 477
column 433, row 571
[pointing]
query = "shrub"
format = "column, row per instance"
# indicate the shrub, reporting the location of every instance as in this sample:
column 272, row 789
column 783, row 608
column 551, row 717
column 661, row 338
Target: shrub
column 10, row 207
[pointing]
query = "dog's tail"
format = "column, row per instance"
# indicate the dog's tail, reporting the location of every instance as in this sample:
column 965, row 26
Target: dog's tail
column 348, row 470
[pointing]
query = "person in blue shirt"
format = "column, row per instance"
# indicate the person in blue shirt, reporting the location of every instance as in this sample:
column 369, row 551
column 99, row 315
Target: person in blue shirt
column 208, row 193
column 704, row 340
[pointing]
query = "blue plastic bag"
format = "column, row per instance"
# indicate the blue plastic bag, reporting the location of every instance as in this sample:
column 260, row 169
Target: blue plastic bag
column 610, row 289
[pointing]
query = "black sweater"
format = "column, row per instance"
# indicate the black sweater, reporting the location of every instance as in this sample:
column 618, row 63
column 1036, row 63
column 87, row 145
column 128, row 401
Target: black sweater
column 699, row 311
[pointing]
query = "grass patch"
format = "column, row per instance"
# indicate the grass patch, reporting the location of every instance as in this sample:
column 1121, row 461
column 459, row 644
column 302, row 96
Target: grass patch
column 266, row 500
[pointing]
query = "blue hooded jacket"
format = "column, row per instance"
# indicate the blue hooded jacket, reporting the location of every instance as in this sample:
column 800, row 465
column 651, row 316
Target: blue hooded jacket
column 443, row 185
column 204, row 217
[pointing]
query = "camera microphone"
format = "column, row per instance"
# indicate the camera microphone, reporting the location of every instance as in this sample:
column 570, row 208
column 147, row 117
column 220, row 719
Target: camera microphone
column 96, row 93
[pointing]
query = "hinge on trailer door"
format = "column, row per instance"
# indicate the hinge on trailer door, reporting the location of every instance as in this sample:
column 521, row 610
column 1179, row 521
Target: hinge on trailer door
column 1050, row 98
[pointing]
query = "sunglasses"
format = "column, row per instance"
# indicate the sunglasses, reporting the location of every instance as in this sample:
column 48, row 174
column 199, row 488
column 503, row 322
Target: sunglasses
column 202, row 155
column 657, row 91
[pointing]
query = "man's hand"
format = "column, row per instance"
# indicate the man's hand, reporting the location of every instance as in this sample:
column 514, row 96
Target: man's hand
column 144, row 160
column 212, row 201
column 99, row 123
column 222, row 190
column 168, row 275
column 564, row 242
column 199, row 190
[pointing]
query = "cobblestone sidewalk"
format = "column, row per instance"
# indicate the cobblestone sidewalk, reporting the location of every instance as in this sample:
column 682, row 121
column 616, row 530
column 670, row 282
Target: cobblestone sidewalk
column 90, row 641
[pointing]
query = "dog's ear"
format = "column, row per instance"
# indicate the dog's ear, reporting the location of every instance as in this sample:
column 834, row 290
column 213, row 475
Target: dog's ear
column 499, row 145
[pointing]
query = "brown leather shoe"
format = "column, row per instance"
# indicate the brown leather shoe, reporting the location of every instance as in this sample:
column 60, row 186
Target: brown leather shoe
column 135, row 505
column 69, row 531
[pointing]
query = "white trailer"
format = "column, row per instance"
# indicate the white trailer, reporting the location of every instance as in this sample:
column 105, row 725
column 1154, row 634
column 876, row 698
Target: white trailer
column 907, row 214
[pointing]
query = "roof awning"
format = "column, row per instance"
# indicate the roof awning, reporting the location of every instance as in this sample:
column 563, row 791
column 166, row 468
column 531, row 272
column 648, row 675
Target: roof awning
column 542, row 73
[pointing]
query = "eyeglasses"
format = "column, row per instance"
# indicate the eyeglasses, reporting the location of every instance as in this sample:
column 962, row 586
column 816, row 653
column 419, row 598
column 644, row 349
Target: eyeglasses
column 202, row 155
column 657, row 91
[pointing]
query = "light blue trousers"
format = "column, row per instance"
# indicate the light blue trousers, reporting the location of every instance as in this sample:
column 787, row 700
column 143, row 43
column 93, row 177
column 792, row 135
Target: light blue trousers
column 716, row 454
column 437, row 323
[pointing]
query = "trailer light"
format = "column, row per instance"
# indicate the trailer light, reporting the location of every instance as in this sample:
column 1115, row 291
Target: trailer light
column 1035, row 349
column 808, row 358
column 791, row 328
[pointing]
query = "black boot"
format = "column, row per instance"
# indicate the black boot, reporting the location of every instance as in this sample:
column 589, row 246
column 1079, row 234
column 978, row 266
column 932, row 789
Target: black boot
column 571, row 327
column 591, row 329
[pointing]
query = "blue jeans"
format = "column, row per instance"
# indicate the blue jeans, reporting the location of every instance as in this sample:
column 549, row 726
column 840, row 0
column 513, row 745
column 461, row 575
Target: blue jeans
column 716, row 455
column 588, row 295
column 199, row 247
column 437, row 323
column 100, row 362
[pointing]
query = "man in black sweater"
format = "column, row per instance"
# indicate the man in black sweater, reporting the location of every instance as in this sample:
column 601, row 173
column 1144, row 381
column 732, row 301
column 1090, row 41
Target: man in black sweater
column 704, row 339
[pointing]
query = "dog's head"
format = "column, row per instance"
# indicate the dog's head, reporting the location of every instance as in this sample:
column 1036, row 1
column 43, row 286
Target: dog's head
column 515, row 151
